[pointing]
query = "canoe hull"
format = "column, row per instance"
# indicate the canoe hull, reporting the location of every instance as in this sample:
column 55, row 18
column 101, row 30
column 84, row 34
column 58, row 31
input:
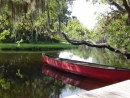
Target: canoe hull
column 87, row 70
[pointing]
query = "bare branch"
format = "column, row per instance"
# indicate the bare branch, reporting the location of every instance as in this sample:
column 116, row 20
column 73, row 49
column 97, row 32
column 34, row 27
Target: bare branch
column 112, row 2
column 98, row 45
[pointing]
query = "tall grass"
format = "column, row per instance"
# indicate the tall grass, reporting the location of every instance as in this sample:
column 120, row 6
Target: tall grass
column 37, row 46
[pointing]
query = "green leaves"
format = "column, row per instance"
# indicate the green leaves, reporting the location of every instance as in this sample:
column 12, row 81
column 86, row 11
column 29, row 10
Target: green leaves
column 28, row 19
column 114, row 30
column 4, row 34
column 5, row 85
column 76, row 30
column 19, row 74
column 18, row 43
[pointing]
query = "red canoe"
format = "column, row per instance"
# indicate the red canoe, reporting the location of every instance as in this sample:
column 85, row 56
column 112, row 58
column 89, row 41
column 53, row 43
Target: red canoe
column 87, row 69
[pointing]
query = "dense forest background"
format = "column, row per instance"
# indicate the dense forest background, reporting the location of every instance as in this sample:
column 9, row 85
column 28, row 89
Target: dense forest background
column 31, row 21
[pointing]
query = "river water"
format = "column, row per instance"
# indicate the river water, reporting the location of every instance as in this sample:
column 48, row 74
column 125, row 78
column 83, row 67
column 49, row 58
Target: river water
column 23, row 74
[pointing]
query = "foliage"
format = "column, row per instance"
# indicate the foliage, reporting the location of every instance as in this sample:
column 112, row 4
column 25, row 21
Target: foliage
column 18, row 42
column 4, row 34
column 76, row 30
column 4, row 84
column 113, row 29
column 19, row 74
column 32, row 20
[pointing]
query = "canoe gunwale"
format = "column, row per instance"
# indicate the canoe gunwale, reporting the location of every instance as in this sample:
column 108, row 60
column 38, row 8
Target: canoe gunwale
column 87, row 64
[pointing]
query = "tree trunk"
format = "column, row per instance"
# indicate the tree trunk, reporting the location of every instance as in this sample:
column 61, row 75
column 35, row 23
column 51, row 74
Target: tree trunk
column 59, row 24
column 127, row 7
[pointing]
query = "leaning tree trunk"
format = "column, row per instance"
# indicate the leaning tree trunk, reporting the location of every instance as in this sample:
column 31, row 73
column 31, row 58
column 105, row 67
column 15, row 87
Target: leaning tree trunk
column 98, row 45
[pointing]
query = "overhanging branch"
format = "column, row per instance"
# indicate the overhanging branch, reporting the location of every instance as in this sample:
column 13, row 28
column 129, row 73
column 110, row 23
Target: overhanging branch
column 98, row 45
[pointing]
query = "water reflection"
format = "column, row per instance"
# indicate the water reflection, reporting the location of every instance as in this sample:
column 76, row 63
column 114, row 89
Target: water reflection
column 21, row 76
column 94, row 55
column 83, row 82
column 69, row 55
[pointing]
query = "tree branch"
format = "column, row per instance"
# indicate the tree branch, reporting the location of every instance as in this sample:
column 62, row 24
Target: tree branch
column 98, row 45
column 111, row 2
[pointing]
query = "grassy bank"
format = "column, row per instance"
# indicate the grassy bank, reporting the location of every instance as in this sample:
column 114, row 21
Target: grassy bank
column 36, row 47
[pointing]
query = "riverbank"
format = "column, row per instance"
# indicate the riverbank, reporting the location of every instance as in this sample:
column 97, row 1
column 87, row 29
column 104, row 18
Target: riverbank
column 36, row 46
